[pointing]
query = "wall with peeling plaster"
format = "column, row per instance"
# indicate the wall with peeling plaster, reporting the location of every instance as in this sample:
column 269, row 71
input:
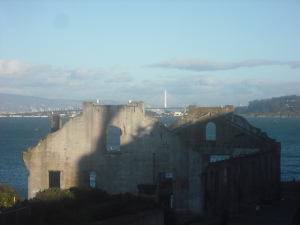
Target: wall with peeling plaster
column 147, row 150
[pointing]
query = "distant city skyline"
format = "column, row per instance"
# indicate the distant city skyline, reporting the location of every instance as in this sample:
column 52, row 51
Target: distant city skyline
column 201, row 52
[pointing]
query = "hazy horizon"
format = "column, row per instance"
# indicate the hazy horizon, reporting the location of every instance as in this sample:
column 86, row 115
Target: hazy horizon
column 201, row 52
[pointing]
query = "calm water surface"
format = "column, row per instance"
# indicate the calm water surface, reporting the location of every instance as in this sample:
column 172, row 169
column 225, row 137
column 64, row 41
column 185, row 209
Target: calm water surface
column 18, row 134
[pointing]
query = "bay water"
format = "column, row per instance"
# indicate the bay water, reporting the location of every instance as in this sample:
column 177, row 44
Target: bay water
column 18, row 134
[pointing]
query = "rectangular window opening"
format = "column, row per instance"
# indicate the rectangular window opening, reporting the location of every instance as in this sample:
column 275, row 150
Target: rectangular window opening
column 90, row 178
column 93, row 176
column 54, row 179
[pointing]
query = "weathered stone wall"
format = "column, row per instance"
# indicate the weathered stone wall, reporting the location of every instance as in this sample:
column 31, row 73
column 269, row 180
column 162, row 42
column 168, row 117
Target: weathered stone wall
column 147, row 150
column 235, row 138
column 238, row 183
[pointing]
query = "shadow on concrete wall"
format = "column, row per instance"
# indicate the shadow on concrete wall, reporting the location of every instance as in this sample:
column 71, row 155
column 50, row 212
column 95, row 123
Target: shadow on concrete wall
column 136, row 165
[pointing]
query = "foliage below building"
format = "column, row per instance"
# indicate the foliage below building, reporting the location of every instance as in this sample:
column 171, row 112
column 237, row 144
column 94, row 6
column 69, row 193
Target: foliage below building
column 8, row 197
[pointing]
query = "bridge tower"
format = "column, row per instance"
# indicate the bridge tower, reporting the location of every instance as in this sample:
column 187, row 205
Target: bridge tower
column 165, row 99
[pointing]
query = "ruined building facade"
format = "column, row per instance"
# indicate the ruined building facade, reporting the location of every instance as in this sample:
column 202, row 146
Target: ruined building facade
column 175, row 164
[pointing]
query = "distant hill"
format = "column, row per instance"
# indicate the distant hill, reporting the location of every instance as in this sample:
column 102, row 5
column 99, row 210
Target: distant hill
column 11, row 103
column 285, row 106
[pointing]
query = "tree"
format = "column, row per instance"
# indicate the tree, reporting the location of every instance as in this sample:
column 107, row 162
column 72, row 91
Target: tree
column 276, row 106
column 8, row 196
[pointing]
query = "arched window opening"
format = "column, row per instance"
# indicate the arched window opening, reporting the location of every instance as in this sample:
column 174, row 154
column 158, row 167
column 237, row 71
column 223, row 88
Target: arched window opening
column 211, row 131
column 113, row 139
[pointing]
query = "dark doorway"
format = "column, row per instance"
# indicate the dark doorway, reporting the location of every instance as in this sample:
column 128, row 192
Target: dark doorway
column 165, row 189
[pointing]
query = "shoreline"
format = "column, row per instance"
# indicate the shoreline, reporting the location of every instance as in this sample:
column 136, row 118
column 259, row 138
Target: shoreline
column 49, row 115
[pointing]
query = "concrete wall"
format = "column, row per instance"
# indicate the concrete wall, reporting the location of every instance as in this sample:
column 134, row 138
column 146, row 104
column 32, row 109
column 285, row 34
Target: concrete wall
column 148, row 151
column 238, row 183
column 234, row 138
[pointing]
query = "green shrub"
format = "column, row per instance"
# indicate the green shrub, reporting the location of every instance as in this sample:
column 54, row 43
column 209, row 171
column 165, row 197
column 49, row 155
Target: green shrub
column 56, row 206
column 83, row 205
column 8, row 196
column 53, row 195
column 87, row 195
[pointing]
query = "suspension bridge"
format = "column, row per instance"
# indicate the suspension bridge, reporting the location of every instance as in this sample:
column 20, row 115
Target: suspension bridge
column 165, row 102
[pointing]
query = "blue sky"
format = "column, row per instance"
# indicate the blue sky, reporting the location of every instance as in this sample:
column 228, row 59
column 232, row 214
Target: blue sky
column 201, row 52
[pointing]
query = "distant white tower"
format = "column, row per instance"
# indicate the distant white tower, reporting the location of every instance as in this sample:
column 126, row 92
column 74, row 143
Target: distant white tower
column 165, row 99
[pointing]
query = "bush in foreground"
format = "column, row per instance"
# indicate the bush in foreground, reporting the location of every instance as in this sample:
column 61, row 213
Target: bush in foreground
column 8, row 197
column 53, row 195
column 82, row 206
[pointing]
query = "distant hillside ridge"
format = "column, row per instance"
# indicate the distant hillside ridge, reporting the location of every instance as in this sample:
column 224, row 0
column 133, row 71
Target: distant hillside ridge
column 13, row 103
column 285, row 106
